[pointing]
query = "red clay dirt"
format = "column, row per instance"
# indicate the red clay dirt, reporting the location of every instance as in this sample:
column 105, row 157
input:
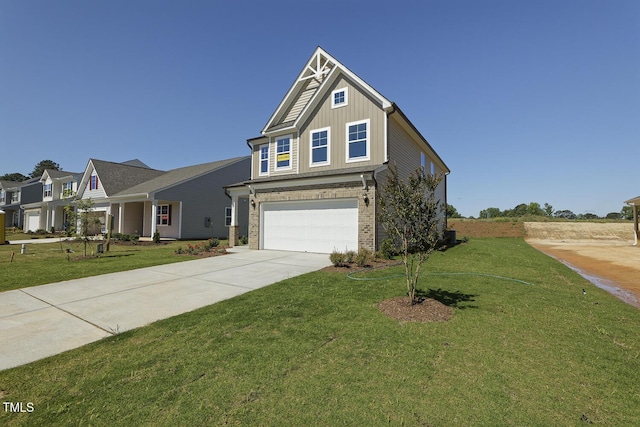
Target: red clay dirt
column 603, row 250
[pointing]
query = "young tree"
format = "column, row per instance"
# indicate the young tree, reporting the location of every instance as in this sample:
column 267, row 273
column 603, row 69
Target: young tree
column 81, row 220
column 411, row 215
column 39, row 169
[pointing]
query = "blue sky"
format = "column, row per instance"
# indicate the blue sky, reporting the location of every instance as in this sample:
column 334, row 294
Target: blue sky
column 524, row 100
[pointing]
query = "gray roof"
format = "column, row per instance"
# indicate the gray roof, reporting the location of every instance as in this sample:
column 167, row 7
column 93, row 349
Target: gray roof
column 116, row 177
column 9, row 184
column 56, row 174
column 136, row 162
column 177, row 176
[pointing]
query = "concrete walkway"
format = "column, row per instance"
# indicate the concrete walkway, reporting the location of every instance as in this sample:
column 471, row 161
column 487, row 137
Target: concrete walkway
column 49, row 319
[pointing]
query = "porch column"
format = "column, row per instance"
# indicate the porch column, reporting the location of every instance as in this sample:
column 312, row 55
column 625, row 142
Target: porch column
column 234, row 228
column 120, row 217
column 52, row 211
column 636, row 233
column 154, row 214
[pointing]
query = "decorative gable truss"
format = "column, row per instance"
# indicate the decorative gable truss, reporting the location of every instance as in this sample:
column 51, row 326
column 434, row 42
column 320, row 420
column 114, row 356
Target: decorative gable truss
column 319, row 73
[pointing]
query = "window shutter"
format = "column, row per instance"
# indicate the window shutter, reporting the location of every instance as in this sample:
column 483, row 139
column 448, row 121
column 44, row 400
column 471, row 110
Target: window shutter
column 169, row 219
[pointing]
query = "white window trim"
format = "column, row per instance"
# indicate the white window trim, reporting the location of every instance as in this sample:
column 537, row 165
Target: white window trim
column 368, row 142
column 49, row 191
column 260, row 147
column 328, row 161
column 227, row 215
column 159, row 215
column 275, row 153
column 346, row 97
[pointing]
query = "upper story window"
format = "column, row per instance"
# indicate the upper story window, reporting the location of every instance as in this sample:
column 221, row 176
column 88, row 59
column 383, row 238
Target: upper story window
column 67, row 189
column 283, row 153
column 358, row 141
column 93, row 183
column 264, row 159
column 320, row 146
column 339, row 98
column 163, row 216
column 47, row 190
column 15, row 196
column 1, row 196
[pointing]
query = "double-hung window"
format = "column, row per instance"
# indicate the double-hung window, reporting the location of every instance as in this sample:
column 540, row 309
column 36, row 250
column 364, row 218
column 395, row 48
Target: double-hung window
column 264, row 159
column 339, row 98
column 67, row 189
column 358, row 141
column 93, row 184
column 163, row 216
column 320, row 140
column 283, row 152
column 47, row 190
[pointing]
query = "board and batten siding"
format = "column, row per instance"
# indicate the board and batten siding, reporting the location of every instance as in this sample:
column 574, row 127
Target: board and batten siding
column 255, row 155
column 359, row 108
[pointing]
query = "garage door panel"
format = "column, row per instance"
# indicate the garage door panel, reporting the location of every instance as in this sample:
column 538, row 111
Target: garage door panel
column 311, row 226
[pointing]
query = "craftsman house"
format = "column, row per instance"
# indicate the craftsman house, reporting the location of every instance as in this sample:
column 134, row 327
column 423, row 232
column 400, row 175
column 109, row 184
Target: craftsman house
column 15, row 194
column 58, row 190
column 182, row 203
column 317, row 166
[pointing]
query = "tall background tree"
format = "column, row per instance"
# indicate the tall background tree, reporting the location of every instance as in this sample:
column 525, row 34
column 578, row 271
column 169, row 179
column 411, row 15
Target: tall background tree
column 16, row 176
column 411, row 216
column 39, row 169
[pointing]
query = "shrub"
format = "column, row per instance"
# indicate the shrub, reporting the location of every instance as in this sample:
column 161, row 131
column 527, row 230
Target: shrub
column 363, row 257
column 179, row 250
column 350, row 256
column 337, row 258
column 211, row 243
column 116, row 236
column 387, row 249
column 156, row 237
column 135, row 238
column 243, row 240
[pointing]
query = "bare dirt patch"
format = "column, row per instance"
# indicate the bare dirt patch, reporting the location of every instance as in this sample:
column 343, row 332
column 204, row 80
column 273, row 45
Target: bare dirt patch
column 427, row 310
column 482, row 228
column 602, row 250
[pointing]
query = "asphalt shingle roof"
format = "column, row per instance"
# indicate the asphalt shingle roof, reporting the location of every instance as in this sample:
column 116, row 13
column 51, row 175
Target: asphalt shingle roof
column 116, row 177
column 176, row 176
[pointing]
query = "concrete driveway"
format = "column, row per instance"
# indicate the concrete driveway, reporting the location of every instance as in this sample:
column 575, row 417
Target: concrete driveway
column 45, row 320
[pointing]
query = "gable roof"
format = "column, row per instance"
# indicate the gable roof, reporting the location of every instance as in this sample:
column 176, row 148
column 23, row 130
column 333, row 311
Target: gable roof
column 313, row 81
column 177, row 176
column 6, row 185
column 135, row 162
column 634, row 201
column 116, row 177
column 58, row 174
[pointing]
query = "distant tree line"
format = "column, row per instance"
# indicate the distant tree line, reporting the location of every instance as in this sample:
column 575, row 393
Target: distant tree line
column 37, row 172
column 534, row 209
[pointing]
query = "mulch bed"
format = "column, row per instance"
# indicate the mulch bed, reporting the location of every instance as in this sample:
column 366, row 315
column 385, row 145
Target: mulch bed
column 349, row 268
column 427, row 310
column 400, row 308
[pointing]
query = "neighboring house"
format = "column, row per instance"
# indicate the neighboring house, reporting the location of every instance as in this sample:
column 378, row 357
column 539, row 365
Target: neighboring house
column 318, row 166
column 183, row 203
column 58, row 190
column 15, row 194
column 635, row 202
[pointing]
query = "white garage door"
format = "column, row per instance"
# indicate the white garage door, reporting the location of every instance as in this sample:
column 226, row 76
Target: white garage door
column 310, row 226
column 33, row 221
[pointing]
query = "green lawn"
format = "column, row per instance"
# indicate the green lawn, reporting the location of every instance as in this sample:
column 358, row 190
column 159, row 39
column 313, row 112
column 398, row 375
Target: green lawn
column 315, row 350
column 50, row 262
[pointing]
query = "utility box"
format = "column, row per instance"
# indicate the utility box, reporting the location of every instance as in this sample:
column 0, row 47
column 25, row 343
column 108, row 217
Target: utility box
column 2, row 235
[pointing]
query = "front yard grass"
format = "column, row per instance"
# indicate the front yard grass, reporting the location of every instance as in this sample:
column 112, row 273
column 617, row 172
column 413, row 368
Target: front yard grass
column 315, row 350
column 50, row 262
